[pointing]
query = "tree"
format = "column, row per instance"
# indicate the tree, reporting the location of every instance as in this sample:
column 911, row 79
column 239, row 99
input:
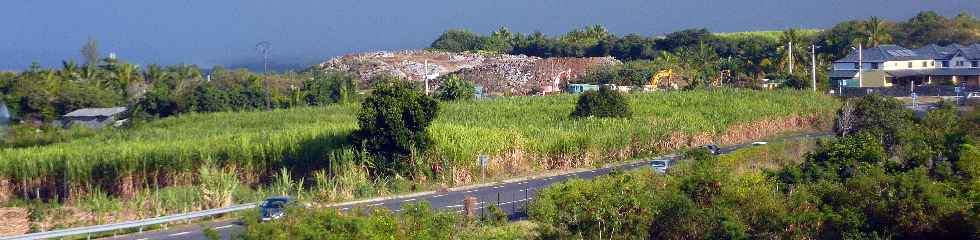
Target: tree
column 686, row 38
column 392, row 126
column 877, row 32
column 90, row 51
column 793, row 38
column 603, row 103
column 330, row 87
column 499, row 41
column 454, row 88
column 458, row 40
column 885, row 118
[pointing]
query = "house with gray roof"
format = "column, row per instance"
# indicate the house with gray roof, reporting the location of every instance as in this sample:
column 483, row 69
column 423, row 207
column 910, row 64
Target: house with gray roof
column 896, row 66
column 94, row 117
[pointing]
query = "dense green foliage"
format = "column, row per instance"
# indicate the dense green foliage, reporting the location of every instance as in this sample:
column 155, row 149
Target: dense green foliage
column 455, row 88
column 330, row 87
column 38, row 96
column 850, row 187
column 258, row 143
column 392, row 126
column 417, row 221
column 603, row 103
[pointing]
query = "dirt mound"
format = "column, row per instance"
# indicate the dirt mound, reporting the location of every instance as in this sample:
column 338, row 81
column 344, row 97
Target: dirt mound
column 497, row 74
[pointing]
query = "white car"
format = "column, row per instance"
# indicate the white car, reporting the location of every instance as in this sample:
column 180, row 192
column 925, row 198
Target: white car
column 759, row 143
column 660, row 166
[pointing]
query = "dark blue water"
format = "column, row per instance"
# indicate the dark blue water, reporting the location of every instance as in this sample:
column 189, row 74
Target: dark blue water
column 224, row 32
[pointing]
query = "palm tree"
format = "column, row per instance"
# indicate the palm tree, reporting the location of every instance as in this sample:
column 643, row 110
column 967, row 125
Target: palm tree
column 876, row 32
column 154, row 74
column 792, row 38
column 70, row 71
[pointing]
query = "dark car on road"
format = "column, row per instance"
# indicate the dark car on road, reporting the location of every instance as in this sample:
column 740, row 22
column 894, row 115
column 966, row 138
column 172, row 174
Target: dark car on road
column 713, row 149
column 274, row 207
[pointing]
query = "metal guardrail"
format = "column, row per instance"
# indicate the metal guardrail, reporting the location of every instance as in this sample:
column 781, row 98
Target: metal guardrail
column 131, row 224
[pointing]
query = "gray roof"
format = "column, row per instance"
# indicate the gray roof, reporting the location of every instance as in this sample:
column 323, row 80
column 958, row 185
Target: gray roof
column 93, row 112
column 945, row 53
column 885, row 53
column 936, row 52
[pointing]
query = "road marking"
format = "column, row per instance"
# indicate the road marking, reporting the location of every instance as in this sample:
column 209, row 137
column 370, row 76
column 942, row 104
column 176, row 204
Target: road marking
column 178, row 234
column 454, row 206
column 376, row 204
column 440, row 195
column 143, row 239
column 223, row 227
column 344, row 209
column 470, row 191
column 409, row 200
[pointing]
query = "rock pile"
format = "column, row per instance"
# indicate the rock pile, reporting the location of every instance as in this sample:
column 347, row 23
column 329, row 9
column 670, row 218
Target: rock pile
column 497, row 74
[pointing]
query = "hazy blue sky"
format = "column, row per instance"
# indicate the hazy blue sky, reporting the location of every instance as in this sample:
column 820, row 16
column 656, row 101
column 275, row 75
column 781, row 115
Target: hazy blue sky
column 223, row 32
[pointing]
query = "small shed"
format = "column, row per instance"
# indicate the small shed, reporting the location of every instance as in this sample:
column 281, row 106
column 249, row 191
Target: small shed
column 95, row 117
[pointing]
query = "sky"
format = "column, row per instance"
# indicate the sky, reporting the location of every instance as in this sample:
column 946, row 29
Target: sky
column 304, row 32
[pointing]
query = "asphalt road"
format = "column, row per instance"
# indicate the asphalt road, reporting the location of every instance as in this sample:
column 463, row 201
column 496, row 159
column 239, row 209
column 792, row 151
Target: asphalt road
column 511, row 197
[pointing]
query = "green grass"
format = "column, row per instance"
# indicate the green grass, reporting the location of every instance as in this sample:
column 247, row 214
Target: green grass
column 259, row 143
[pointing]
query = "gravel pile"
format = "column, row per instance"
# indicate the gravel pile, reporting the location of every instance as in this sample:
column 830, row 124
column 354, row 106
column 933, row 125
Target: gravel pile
column 498, row 74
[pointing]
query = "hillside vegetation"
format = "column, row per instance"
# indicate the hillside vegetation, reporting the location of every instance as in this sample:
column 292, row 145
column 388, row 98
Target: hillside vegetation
column 520, row 133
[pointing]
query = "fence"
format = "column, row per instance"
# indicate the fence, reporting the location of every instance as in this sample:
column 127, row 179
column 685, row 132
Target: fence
column 905, row 91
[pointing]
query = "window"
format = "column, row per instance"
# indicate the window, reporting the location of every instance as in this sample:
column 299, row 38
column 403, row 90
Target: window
column 874, row 65
column 924, row 64
column 959, row 63
column 974, row 64
column 910, row 64
column 945, row 64
column 856, row 66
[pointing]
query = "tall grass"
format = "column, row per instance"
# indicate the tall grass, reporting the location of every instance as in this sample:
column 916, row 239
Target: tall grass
column 258, row 144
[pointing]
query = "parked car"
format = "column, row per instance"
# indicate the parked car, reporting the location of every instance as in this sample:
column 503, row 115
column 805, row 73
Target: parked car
column 660, row 166
column 759, row 143
column 275, row 207
column 714, row 149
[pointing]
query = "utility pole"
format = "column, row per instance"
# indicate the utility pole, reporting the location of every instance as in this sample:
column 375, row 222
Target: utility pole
column 860, row 65
column 263, row 49
column 425, row 76
column 790, row 58
column 813, row 68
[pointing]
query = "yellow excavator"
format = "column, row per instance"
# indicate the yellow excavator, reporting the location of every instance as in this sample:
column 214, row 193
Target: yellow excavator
column 656, row 78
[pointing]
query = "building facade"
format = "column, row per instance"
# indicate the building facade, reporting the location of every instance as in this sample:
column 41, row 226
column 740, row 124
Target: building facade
column 896, row 66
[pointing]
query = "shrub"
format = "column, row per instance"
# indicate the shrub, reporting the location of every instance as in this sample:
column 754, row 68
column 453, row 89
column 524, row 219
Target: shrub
column 393, row 122
column 603, row 103
column 455, row 88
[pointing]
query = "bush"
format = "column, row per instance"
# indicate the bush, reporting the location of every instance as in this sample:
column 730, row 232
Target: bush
column 392, row 126
column 415, row 222
column 455, row 88
column 603, row 103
